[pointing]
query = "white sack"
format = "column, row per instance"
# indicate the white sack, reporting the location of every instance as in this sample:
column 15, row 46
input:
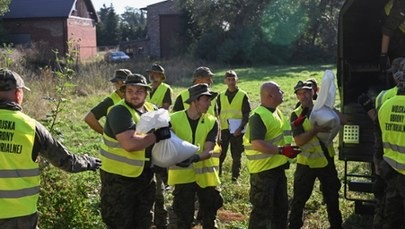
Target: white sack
column 153, row 120
column 171, row 151
column 323, row 113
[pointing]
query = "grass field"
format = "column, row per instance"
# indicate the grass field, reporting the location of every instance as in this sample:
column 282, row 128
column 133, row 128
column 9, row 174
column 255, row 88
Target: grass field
column 72, row 201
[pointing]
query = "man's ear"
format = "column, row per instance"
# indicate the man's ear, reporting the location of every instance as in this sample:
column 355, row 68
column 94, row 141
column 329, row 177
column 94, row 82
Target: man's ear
column 19, row 95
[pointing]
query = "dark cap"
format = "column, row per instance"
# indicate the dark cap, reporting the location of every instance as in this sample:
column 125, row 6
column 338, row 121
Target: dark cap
column 120, row 75
column 198, row 90
column 202, row 72
column 137, row 80
column 313, row 81
column 302, row 85
column 395, row 65
column 10, row 80
column 230, row 73
column 157, row 68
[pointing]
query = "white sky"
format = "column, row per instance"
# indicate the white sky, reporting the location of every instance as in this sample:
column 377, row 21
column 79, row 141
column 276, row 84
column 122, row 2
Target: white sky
column 119, row 5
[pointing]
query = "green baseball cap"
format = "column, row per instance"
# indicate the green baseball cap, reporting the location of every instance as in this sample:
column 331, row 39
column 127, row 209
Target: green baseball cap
column 10, row 80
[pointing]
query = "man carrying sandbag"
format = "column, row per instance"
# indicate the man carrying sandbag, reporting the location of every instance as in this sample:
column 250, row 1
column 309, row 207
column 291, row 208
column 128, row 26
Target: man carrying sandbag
column 197, row 175
column 315, row 161
column 127, row 185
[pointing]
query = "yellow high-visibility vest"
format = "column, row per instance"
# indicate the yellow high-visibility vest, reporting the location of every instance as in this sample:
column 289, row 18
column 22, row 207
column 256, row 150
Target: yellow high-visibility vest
column 275, row 124
column 116, row 159
column 115, row 97
column 384, row 96
column 391, row 118
column 159, row 94
column 19, row 174
column 311, row 152
column 204, row 173
column 231, row 110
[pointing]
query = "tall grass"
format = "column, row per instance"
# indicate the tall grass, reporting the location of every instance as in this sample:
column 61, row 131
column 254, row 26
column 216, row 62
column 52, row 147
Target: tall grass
column 72, row 201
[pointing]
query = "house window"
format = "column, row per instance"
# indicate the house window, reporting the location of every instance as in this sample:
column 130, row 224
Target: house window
column 21, row 39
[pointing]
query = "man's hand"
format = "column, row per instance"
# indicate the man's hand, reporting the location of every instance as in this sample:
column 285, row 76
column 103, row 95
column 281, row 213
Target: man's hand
column 289, row 151
column 365, row 102
column 93, row 163
column 384, row 62
column 186, row 163
column 162, row 133
column 319, row 129
column 301, row 117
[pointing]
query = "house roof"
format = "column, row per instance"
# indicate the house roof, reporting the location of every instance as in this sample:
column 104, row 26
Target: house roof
column 42, row 8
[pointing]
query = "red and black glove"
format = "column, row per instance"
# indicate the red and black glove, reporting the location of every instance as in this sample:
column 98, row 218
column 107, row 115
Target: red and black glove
column 289, row 151
column 301, row 117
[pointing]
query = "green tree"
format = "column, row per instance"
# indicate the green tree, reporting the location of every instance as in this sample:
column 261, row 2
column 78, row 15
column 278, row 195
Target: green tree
column 132, row 24
column 108, row 32
column 4, row 6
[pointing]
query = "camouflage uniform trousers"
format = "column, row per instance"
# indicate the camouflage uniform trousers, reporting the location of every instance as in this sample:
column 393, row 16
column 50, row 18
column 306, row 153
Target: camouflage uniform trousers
column 127, row 202
column 304, row 179
column 209, row 198
column 394, row 216
column 268, row 195
column 159, row 209
column 24, row 222
column 237, row 149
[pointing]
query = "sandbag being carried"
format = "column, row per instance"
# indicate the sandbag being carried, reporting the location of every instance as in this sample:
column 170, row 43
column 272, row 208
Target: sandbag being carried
column 323, row 113
column 170, row 151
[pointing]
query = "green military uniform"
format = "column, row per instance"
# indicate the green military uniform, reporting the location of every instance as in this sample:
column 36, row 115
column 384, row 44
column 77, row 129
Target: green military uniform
column 268, row 183
column 392, row 125
column 315, row 161
column 200, row 178
column 232, row 105
column 25, row 140
column 128, row 188
column 162, row 94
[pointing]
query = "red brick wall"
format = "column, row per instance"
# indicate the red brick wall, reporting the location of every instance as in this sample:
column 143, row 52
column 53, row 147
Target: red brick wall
column 54, row 33
column 83, row 33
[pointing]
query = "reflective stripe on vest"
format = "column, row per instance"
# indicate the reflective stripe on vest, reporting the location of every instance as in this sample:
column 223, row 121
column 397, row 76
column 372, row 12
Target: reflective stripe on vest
column 19, row 175
column 231, row 110
column 274, row 123
column 388, row 8
column 391, row 118
column 205, row 172
column 116, row 159
column 312, row 154
column 272, row 141
column 159, row 94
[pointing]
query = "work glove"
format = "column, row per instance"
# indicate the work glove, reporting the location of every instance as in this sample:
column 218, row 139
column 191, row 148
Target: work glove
column 289, row 151
column 301, row 117
column 384, row 62
column 162, row 133
column 93, row 163
column 186, row 163
column 365, row 102
column 378, row 187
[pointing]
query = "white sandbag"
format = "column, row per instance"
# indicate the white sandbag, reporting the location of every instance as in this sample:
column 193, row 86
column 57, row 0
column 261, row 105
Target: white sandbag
column 326, row 117
column 171, row 151
column 322, row 113
column 153, row 120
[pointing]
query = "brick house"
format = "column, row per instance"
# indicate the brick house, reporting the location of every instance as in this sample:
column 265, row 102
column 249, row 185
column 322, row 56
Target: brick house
column 164, row 22
column 53, row 23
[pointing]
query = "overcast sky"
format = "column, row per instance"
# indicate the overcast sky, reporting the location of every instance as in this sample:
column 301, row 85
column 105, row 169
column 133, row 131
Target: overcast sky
column 119, row 5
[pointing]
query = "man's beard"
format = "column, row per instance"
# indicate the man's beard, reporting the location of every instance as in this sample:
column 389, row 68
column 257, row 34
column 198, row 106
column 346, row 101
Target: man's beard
column 137, row 106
